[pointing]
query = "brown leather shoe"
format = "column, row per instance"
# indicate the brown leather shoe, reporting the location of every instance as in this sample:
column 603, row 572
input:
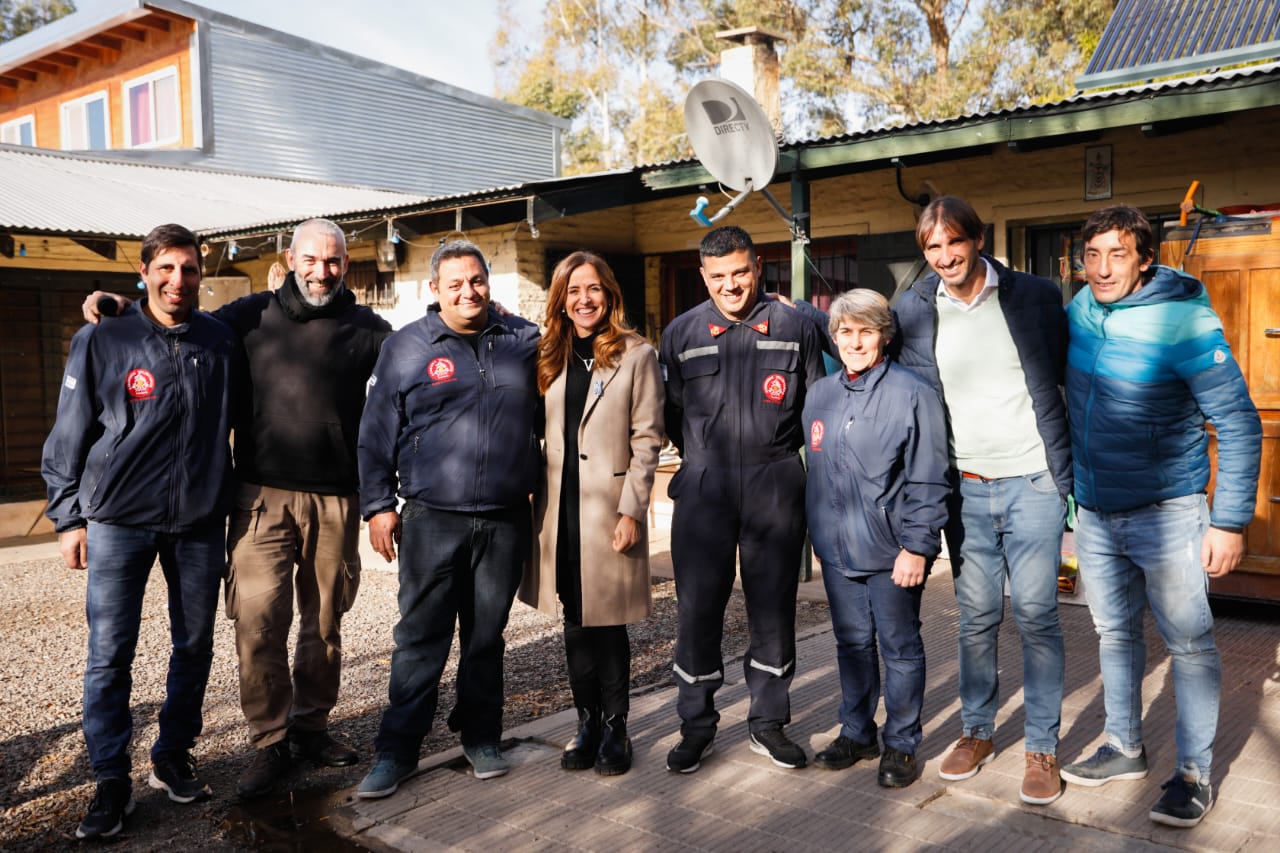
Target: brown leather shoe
column 321, row 748
column 966, row 757
column 1041, row 782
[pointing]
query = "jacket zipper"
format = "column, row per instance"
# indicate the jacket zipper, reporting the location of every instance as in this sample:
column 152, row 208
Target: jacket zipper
column 175, row 357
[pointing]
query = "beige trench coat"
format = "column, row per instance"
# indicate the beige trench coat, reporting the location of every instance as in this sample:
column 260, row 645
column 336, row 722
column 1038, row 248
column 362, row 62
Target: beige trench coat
column 618, row 444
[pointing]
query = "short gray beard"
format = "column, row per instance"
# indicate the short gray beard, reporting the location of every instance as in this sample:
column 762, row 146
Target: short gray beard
column 317, row 301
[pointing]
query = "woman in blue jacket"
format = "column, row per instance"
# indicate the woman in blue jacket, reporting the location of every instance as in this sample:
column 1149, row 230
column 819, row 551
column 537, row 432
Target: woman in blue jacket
column 877, row 453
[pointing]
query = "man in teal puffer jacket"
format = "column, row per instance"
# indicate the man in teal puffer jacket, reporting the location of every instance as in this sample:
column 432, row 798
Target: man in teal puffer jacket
column 1148, row 365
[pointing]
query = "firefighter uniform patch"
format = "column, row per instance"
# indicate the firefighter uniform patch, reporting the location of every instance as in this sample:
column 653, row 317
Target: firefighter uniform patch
column 140, row 384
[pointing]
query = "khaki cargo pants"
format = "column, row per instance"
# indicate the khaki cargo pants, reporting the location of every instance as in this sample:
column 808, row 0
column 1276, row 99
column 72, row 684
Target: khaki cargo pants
column 284, row 544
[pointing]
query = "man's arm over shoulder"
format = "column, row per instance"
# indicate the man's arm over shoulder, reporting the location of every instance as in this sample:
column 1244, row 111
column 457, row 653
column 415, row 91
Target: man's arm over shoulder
column 75, row 429
column 244, row 313
column 820, row 321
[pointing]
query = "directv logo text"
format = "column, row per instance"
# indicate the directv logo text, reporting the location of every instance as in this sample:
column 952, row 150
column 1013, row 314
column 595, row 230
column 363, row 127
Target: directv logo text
column 726, row 118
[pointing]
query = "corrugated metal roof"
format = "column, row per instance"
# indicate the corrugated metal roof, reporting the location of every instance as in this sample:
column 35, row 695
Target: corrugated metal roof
column 1218, row 80
column 274, row 104
column 1146, row 39
column 52, row 192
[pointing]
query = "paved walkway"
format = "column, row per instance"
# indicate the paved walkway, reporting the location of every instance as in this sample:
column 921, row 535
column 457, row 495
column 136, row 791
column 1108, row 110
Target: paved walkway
column 739, row 802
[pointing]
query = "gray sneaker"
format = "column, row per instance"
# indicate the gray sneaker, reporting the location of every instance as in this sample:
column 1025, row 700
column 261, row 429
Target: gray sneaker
column 385, row 777
column 1106, row 765
column 486, row 760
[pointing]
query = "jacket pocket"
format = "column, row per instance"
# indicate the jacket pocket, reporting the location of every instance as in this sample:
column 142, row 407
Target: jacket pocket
column 350, row 584
column 777, row 372
column 245, row 516
column 230, row 593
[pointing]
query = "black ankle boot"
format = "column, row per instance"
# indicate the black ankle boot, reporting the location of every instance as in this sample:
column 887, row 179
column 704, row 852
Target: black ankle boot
column 614, row 757
column 580, row 753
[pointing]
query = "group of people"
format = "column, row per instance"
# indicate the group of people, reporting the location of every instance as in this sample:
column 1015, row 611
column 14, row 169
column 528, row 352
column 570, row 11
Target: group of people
column 975, row 406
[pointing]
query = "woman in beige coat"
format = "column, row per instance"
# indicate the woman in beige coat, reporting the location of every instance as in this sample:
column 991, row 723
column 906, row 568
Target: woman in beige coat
column 604, row 402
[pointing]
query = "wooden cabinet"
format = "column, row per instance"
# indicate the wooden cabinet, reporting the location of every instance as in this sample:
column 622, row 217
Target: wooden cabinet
column 1239, row 263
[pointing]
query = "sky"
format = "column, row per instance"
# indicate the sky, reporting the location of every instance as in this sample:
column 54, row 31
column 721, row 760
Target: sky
column 448, row 40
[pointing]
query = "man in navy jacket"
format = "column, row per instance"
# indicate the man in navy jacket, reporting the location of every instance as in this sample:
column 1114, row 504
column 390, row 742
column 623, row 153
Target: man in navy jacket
column 450, row 425
column 994, row 343
column 138, row 465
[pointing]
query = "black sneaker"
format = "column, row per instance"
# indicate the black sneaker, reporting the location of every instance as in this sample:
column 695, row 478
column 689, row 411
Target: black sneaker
column 687, row 755
column 112, row 802
column 845, row 752
column 175, row 773
column 1184, row 803
column 1108, row 764
column 897, row 769
column 269, row 764
column 781, row 751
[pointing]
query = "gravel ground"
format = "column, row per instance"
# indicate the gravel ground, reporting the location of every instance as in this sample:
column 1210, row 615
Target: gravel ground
column 45, row 778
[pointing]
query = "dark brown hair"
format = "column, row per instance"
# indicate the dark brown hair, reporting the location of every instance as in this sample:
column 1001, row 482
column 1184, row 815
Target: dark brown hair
column 1126, row 219
column 169, row 236
column 953, row 214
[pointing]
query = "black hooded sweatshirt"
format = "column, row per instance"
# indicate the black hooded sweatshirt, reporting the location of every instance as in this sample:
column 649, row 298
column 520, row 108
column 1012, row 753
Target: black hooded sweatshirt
column 309, row 368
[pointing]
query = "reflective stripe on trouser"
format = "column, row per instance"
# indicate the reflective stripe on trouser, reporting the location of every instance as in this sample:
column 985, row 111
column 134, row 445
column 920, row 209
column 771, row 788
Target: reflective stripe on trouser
column 288, row 545
column 714, row 522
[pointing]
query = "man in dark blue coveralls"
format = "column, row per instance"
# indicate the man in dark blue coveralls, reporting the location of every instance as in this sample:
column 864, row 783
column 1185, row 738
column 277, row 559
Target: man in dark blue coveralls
column 736, row 370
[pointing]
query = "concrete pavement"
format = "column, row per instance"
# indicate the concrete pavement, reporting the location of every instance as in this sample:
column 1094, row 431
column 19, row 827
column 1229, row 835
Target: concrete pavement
column 739, row 802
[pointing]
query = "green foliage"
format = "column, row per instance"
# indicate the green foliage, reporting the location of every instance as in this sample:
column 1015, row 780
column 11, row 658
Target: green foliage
column 22, row 16
column 619, row 69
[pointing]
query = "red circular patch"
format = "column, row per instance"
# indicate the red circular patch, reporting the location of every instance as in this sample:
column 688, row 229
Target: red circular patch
column 440, row 369
column 140, row 384
column 816, row 431
column 775, row 387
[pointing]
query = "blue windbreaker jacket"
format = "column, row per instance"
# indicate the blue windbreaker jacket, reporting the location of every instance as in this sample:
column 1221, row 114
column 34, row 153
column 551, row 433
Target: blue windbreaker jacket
column 877, row 454
column 1143, row 375
column 141, row 435
column 450, row 428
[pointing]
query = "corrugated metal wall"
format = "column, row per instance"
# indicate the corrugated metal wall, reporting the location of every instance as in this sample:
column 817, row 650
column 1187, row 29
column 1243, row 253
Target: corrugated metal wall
column 286, row 112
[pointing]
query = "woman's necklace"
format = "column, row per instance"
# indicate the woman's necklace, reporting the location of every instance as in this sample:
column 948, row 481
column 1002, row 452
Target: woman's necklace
column 588, row 363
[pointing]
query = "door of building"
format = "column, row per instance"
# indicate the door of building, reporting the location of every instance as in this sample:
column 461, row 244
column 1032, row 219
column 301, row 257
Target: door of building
column 1239, row 264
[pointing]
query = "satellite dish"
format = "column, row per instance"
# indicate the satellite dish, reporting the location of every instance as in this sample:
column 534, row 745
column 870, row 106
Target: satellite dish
column 733, row 139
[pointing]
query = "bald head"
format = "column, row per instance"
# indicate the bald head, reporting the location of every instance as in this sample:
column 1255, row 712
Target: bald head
column 318, row 258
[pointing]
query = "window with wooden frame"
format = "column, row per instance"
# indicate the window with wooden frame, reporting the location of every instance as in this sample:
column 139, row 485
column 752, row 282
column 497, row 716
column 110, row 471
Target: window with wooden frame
column 152, row 109
column 19, row 131
column 86, row 123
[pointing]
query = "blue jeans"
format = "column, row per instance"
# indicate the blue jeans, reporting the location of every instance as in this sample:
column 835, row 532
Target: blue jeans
column 1151, row 555
column 864, row 609
column 1009, row 527
column 120, row 560
column 454, row 566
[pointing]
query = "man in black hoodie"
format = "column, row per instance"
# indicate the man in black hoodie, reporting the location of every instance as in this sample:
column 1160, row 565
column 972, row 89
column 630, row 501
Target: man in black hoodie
column 295, row 526
column 295, row 523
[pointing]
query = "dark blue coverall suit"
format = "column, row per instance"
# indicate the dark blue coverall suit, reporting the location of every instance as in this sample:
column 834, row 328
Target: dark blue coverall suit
column 735, row 391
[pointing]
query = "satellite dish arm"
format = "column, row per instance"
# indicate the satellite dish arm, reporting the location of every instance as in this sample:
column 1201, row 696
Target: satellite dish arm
column 699, row 215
